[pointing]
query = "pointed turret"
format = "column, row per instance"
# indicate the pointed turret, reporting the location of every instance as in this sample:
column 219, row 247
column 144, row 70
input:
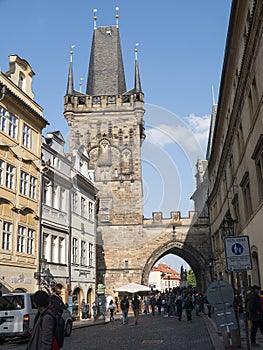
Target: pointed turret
column 137, row 80
column 70, row 85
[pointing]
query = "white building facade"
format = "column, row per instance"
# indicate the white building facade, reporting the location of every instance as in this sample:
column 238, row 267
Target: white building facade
column 68, row 232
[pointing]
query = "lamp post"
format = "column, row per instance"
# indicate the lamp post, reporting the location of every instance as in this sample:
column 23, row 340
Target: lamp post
column 228, row 225
column 228, row 229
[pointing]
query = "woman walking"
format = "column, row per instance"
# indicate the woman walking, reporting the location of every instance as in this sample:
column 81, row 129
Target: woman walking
column 188, row 305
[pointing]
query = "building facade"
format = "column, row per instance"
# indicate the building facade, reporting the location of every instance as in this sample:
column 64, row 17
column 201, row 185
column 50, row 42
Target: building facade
column 236, row 147
column 55, row 219
column 82, row 230
column 68, row 229
column 21, row 125
column 162, row 278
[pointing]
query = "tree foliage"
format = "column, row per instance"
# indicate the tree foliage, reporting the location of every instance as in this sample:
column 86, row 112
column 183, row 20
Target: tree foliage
column 191, row 280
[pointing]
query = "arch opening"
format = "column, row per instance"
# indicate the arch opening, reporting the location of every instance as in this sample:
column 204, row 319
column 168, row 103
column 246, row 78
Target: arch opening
column 192, row 257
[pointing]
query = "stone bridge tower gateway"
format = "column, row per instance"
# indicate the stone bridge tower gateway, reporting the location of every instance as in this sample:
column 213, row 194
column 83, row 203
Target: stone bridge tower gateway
column 108, row 120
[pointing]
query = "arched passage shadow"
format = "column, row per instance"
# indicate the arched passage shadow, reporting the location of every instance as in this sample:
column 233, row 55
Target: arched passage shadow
column 198, row 263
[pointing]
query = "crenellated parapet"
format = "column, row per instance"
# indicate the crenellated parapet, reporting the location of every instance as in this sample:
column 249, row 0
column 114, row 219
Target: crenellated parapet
column 175, row 219
column 89, row 104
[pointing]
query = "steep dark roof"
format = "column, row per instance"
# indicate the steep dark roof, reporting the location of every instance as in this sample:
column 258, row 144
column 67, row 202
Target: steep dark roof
column 106, row 72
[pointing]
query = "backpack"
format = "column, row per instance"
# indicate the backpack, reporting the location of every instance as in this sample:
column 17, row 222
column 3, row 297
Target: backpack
column 124, row 304
column 58, row 331
column 57, row 305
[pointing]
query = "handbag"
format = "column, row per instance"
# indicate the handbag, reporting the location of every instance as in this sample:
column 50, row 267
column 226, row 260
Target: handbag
column 55, row 345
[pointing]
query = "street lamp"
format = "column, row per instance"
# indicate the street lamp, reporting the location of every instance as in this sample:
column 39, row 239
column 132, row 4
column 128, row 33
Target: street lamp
column 228, row 225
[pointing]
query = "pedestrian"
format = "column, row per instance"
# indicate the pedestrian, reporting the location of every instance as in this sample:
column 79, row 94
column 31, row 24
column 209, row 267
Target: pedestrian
column 56, row 303
column 94, row 310
column 164, row 304
column 261, row 300
column 41, row 337
column 179, row 307
column 197, row 302
column 111, row 309
column 152, row 303
column 125, row 308
column 256, row 314
column 146, row 305
column 159, row 304
column 136, row 308
column 188, row 305
column 87, row 311
column 83, row 309
column 117, row 304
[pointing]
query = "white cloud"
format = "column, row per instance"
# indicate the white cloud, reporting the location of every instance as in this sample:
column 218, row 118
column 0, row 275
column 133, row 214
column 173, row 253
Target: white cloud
column 191, row 134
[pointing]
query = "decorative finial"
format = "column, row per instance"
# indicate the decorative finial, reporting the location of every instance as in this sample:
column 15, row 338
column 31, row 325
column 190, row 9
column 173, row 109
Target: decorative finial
column 95, row 18
column 136, row 51
column 71, row 52
column 117, row 16
column 80, row 84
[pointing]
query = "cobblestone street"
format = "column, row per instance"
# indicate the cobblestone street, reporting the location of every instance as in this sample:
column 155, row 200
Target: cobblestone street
column 151, row 333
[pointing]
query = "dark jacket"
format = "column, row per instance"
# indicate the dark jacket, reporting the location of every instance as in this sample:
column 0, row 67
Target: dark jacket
column 136, row 304
column 42, row 333
column 255, row 313
column 125, row 304
column 188, row 304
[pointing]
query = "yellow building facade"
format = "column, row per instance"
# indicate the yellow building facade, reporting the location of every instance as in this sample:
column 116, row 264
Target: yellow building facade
column 21, row 125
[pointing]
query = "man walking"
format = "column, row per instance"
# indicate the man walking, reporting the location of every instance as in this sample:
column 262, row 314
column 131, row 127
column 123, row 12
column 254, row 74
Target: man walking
column 125, row 308
column 136, row 308
column 256, row 314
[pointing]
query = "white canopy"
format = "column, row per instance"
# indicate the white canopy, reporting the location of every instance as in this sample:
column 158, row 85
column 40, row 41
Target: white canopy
column 133, row 288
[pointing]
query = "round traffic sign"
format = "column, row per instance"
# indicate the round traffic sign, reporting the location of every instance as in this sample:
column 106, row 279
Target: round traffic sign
column 220, row 293
column 237, row 249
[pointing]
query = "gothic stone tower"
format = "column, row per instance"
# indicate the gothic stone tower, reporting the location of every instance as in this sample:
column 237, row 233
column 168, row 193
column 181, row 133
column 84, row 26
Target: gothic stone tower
column 108, row 120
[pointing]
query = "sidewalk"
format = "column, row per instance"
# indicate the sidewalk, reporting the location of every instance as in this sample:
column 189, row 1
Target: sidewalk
column 218, row 341
column 91, row 322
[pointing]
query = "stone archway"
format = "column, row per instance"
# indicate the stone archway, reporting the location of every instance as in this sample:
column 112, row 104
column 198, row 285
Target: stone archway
column 197, row 262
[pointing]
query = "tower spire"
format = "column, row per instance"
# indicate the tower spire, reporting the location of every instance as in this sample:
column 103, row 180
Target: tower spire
column 137, row 80
column 106, row 72
column 70, row 86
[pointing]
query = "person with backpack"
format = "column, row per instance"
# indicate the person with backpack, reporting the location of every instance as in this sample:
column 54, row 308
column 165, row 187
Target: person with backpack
column 42, row 333
column 125, row 308
column 57, row 307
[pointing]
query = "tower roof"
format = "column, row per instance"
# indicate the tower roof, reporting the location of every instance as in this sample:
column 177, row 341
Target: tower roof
column 106, row 71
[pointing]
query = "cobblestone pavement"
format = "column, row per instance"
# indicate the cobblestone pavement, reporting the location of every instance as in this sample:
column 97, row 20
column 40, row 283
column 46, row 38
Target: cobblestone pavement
column 151, row 333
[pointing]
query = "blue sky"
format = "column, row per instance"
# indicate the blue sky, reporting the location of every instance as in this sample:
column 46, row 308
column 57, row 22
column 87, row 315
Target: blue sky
column 181, row 50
